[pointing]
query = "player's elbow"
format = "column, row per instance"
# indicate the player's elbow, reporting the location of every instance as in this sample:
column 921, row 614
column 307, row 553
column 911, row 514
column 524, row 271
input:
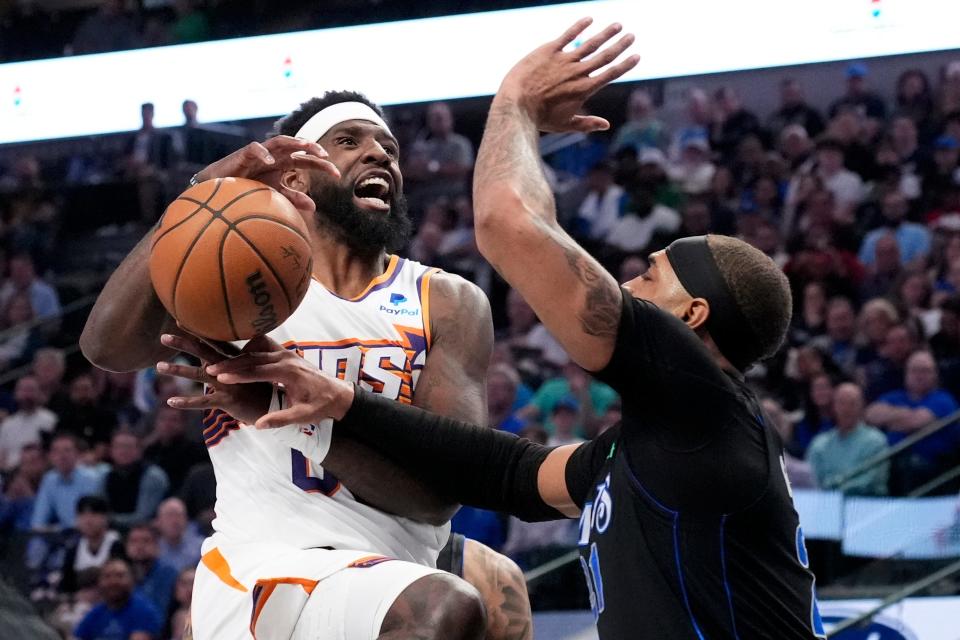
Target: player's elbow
column 495, row 205
column 439, row 514
column 104, row 354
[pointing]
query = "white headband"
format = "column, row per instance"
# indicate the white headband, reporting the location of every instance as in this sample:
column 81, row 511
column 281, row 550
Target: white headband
column 325, row 119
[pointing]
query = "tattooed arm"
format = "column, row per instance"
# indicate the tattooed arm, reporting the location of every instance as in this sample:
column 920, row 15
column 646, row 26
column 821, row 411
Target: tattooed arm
column 453, row 382
column 504, row 591
column 517, row 229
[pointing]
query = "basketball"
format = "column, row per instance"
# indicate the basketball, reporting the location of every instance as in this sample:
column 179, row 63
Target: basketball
column 231, row 259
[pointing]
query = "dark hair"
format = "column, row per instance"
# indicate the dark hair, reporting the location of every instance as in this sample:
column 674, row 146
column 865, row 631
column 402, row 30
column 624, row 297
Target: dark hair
column 760, row 289
column 290, row 124
column 92, row 504
column 66, row 435
column 825, row 143
column 149, row 528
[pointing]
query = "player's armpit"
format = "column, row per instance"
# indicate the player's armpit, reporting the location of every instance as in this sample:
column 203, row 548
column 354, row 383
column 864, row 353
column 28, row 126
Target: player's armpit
column 453, row 382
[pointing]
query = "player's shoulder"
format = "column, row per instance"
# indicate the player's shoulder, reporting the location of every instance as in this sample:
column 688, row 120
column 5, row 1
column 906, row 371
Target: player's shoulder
column 456, row 288
column 459, row 308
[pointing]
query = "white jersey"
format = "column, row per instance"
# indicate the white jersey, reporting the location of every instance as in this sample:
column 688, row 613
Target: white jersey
column 269, row 491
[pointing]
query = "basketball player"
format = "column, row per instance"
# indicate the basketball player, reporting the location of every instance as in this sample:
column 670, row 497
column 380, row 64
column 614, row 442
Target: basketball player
column 687, row 527
column 301, row 550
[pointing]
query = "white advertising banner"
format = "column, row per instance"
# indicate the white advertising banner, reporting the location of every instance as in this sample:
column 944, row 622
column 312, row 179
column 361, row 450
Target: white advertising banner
column 912, row 619
column 446, row 57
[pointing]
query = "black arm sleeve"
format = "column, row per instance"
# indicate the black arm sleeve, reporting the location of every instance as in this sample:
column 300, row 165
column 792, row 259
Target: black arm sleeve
column 473, row 465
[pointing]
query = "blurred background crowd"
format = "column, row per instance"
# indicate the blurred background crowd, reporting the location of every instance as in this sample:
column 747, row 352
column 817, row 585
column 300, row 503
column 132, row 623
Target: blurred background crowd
column 107, row 493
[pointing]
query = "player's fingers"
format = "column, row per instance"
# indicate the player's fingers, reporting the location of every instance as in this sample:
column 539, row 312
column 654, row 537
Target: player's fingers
column 225, row 349
column 297, row 414
column 185, row 371
column 609, row 54
column 597, row 41
column 192, row 346
column 263, row 343
column 205, row 401
column 303, row 161
column 570, row 34
column 299, row 199
column 255, row 153
column 588, row 124
column 286, row 145
column 245, row 361
column 275, row 372
column 612, row 73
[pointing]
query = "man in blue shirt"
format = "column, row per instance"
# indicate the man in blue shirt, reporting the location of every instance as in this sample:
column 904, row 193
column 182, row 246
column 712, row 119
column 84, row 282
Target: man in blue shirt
column 913, row 239
column 63, row 486
column 123, row 615
column 154, row 579
column 23, row 278
column 907, row 410
column 846, row 446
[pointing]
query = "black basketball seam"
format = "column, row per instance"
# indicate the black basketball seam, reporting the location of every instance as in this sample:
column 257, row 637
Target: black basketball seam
column 263, row 216
column 200, row 207
column 269, row 266
column 219, row 212
column 223, row 284
column 186, row 255
column 258, row 216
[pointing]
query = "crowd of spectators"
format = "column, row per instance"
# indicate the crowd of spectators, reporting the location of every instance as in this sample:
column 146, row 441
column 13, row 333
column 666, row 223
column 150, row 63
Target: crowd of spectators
column 860, row 205
column 32, row 29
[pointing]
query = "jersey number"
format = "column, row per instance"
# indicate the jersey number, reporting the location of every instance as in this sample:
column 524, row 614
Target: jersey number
column 303, row 476
column 591, row 571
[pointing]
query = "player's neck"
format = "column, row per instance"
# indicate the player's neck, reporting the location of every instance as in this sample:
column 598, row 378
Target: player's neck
column 341, row 269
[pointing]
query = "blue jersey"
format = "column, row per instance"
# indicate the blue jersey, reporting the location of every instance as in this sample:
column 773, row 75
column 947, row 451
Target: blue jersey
column 104, row 623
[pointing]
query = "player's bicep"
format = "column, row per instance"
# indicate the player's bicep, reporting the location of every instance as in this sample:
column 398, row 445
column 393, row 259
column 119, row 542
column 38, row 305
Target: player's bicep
column 552, row 481
column 576, row 299
column 453, row 380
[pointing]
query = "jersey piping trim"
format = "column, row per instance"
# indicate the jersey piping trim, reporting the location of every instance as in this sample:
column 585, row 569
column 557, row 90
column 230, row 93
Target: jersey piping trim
column 726, row 582
column 216, row 563
column 676, row 546
column 423, row 292
column 382, row 281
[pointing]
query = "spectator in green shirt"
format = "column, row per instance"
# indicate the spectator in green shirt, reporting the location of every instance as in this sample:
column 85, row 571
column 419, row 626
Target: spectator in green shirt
column 846, row 446
column 592, row 396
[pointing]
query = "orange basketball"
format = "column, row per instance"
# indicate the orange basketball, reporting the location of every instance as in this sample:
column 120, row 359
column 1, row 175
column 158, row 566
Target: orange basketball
column 230, row 259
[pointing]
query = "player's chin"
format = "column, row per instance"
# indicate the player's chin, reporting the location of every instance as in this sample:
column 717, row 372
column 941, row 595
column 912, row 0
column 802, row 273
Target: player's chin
column 374, row 205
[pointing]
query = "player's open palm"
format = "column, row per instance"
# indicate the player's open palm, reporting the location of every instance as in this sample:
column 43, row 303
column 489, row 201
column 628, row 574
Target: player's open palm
column 552, row 84
column 309, row 395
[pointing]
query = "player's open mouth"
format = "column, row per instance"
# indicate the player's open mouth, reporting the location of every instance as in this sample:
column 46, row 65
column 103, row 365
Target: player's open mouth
column 373, row 192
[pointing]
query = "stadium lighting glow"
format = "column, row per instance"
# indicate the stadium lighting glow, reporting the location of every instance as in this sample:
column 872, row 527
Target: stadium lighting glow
column 446, row 58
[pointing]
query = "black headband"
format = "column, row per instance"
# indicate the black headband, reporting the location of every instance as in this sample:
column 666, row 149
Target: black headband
column 697, row 271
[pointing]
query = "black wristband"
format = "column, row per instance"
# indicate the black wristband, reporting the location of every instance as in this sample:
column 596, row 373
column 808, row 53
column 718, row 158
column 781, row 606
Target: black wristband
column 476, row 466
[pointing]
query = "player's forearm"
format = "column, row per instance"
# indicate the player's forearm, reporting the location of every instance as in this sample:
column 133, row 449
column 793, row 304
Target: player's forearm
column 123, row 330
column 379, row 482
column 474, row 465
column 509, row 179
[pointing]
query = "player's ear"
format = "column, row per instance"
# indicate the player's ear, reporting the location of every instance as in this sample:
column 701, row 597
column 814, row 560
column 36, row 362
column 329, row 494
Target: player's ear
column 696, row 313
column 295, row 179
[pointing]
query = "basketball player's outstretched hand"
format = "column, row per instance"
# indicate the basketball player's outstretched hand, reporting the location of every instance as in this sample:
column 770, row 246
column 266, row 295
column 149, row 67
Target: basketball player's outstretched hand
column 309, row 395
column 265, row 161
column 245, row 402
column 552, row 83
